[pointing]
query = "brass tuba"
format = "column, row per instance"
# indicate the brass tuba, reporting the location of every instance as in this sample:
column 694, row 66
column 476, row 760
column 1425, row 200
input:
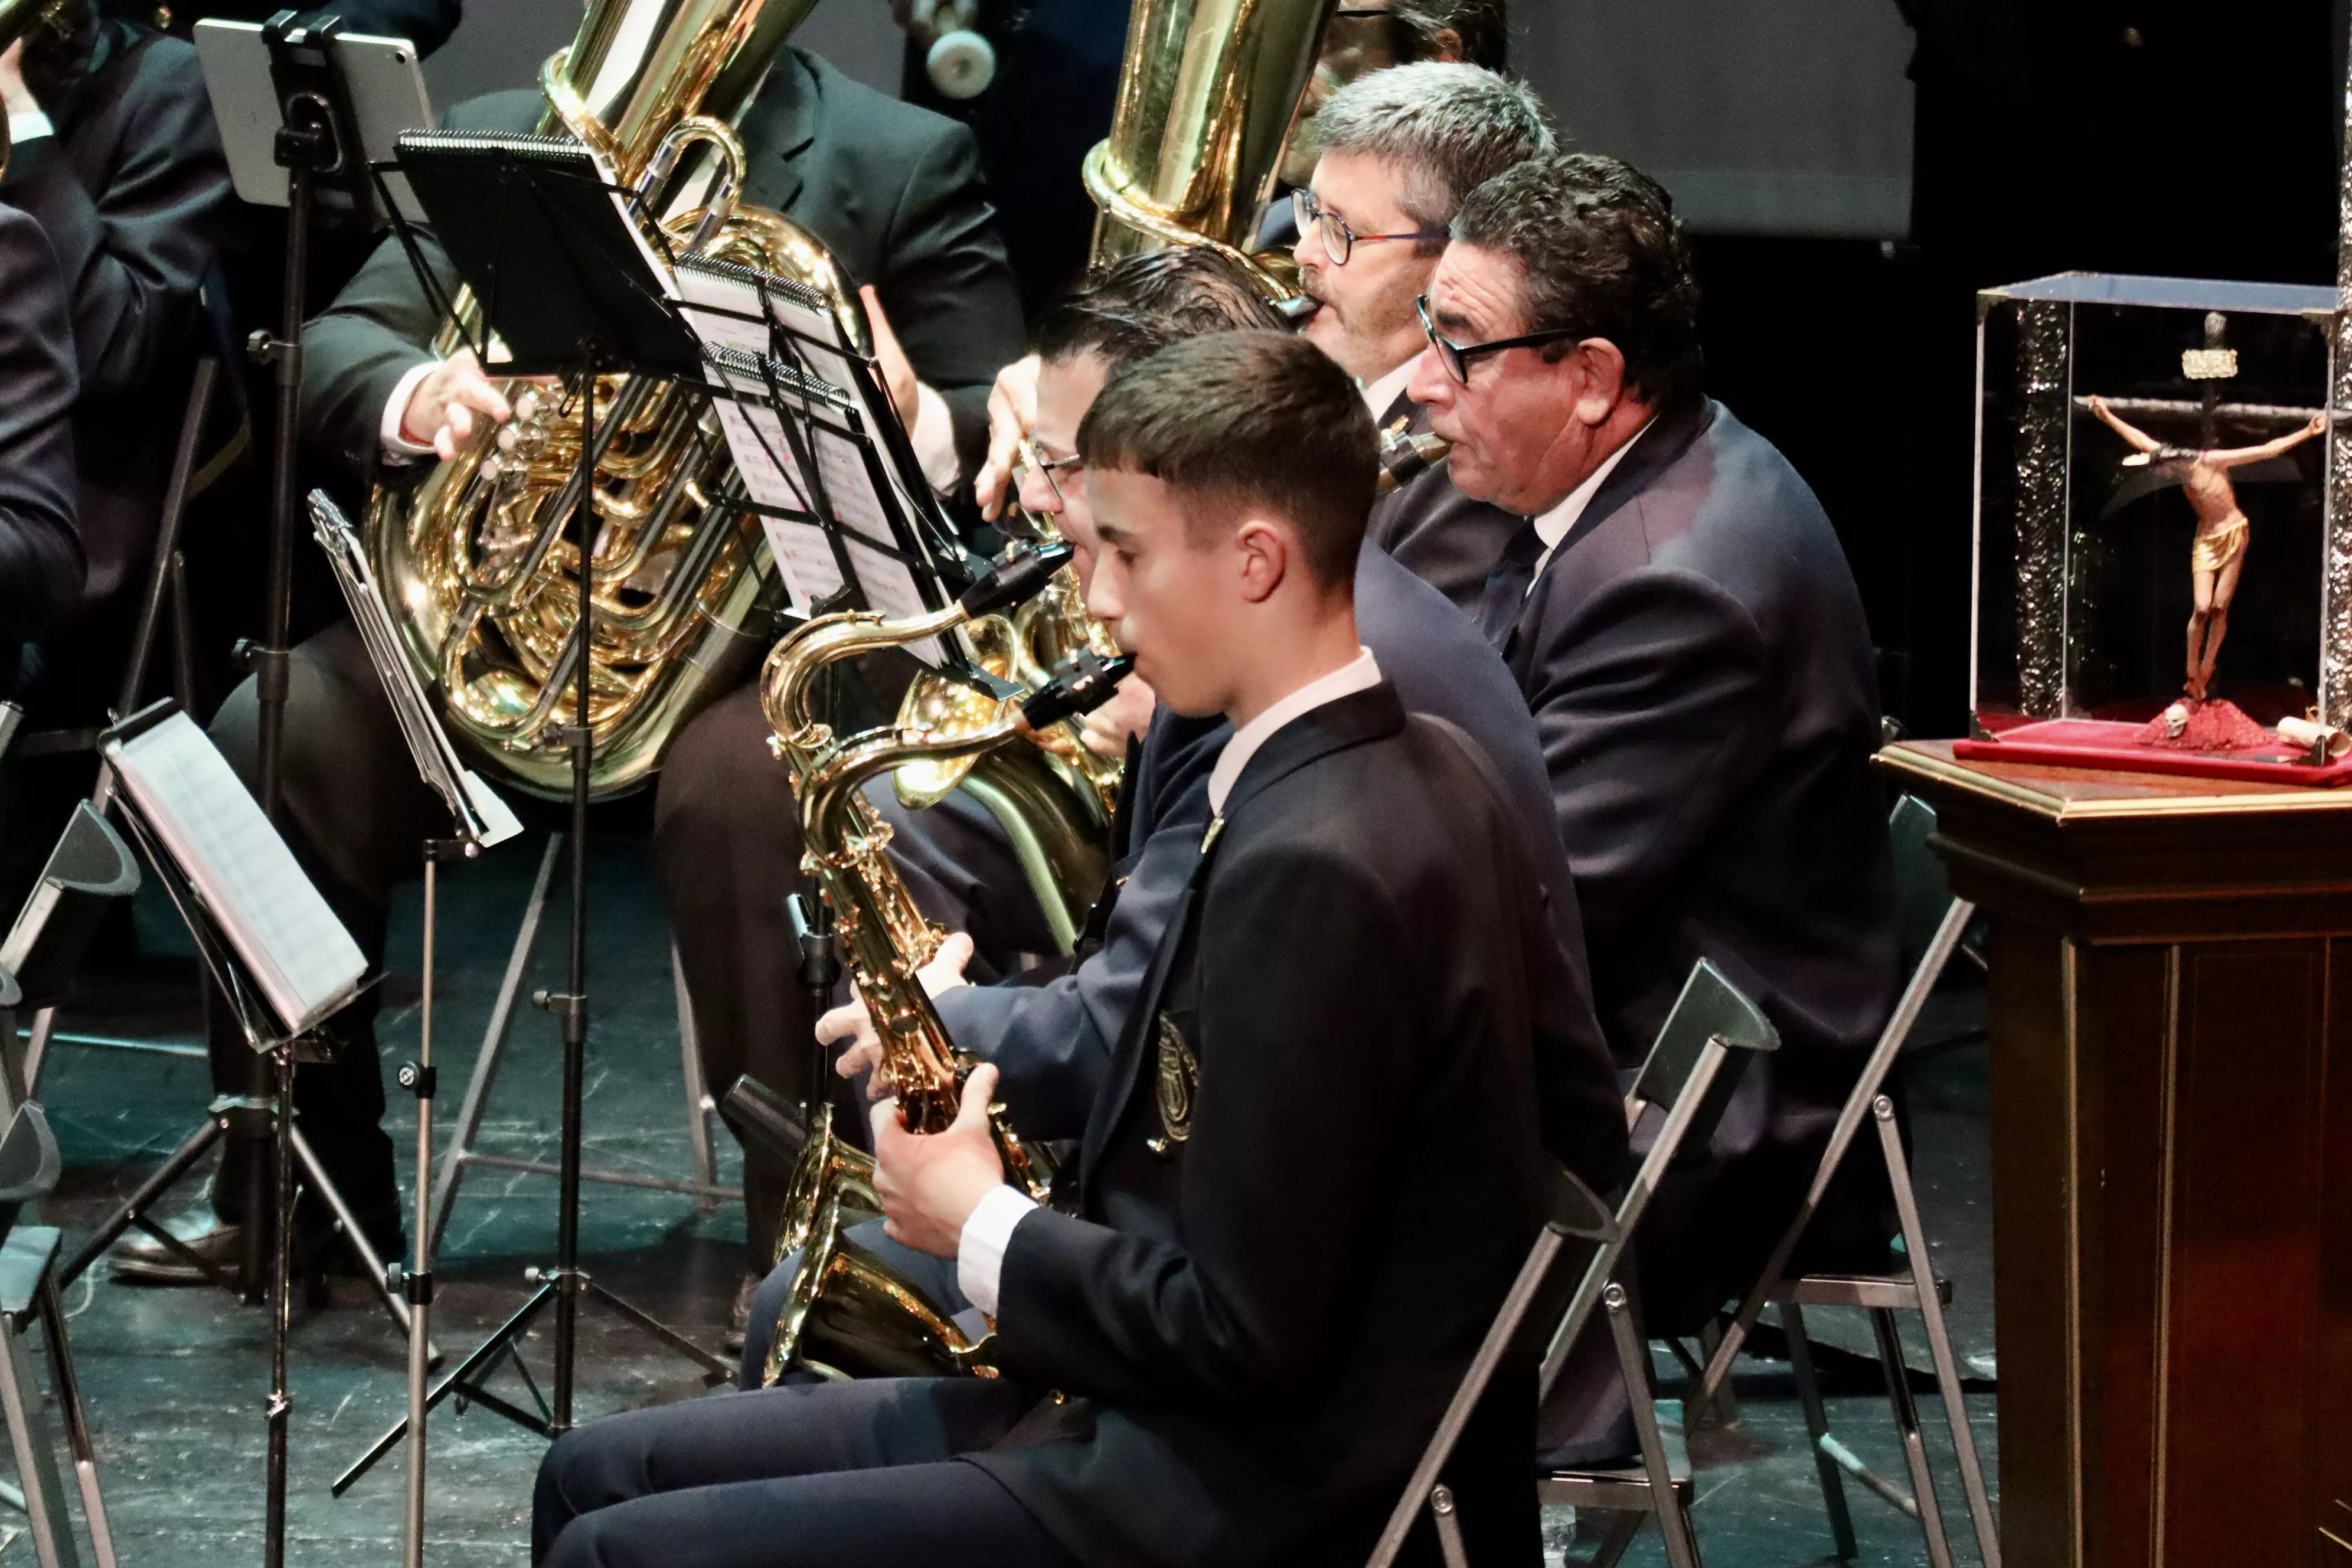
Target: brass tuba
column 1209, row 98
column 474, row 561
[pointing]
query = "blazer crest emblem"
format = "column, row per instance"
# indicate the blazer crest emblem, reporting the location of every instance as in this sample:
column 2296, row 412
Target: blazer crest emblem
column 1179, row 1086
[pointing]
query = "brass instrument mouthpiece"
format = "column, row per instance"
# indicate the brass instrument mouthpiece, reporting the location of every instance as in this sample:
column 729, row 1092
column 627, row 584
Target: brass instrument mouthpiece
column 1083, row 682
column 1018, row 578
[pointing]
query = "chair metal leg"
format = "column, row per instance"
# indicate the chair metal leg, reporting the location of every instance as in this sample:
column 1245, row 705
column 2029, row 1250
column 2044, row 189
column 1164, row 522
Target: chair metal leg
column 1907, row 1422
column 698, row 1103
column 494, row 1041
column 68, row 1387
column 1874, row 1073
column 36, row 1462
column 1817, row 1425
column 1633, row 1362
column 1623, row 1527
column 1725, row 1406
column 1939, row 1339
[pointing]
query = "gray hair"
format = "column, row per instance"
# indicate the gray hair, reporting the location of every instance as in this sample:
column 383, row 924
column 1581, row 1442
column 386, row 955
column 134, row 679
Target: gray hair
column 1449, row 127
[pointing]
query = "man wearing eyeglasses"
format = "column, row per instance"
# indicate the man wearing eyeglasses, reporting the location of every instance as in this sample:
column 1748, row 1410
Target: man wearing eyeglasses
column 1401, row 149
column 1690, row 640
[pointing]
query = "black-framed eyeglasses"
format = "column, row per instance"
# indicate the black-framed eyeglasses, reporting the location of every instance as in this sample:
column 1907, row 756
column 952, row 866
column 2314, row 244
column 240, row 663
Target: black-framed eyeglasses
column 1337, row 239
column 1046, row 468
column 1457, row 356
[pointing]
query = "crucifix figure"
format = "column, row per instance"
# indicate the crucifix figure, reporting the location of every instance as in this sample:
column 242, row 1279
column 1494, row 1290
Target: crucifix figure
column 2218, row 554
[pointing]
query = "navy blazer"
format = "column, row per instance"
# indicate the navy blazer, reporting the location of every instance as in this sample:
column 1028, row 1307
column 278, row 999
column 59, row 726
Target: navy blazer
column 1053, row 1041
column 40, row 553
column 1264, row 1290
column 134, row 193
column 1696, row 658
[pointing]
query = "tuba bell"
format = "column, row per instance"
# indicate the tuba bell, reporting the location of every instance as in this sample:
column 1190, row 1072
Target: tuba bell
column 475, row 563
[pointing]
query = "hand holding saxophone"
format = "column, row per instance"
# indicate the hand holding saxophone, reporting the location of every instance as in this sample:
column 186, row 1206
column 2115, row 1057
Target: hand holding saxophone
column 849, row 1025
column 931, row 1182
column 445, row 407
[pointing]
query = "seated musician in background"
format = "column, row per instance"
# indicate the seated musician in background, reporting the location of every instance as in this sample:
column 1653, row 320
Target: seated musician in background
column 381, row 407
column 1052, row 1037
column 40, row 550
column 1690, row 640
column 116, row 158
column 1401, row 148
column 1253, row 1305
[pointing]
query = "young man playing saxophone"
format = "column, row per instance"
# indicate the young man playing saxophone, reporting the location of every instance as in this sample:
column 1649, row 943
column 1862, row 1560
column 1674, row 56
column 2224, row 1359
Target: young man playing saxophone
column 1255, row 1308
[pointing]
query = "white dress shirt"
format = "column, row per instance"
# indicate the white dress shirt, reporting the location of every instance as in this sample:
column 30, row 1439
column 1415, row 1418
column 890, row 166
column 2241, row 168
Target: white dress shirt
column 1551, row 527
column 980, row 1246
column 1379, row 393
column 26, row 125
column 933, row 437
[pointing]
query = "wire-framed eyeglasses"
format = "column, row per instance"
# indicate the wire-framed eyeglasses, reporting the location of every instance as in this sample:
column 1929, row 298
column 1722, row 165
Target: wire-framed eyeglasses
column 1048, row 469
column 1337, row 239
column 1456, row 357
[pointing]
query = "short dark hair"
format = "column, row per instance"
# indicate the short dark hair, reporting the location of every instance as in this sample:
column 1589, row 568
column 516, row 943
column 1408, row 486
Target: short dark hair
column 1141, row 304
column 1600, row 253
column 1238, row 420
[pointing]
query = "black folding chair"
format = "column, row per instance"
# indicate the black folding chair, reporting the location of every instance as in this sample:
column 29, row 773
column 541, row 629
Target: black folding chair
column 1686, row 1082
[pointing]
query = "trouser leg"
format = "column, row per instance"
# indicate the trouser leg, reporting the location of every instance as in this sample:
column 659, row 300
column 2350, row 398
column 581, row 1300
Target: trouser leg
column 934, row 1276
column 355, row 815
column 843, row 1474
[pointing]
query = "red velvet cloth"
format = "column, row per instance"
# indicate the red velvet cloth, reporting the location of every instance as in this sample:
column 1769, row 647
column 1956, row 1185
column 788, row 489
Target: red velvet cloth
column 2117, row 747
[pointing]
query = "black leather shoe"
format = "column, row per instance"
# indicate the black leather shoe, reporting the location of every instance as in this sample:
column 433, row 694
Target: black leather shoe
column 143, row 1260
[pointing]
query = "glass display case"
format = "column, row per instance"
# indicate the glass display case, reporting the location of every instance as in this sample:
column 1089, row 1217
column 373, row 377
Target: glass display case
column 2163, row 570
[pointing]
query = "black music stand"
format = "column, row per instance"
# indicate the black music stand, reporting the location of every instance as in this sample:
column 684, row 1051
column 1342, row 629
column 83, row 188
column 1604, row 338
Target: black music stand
column 540, row 209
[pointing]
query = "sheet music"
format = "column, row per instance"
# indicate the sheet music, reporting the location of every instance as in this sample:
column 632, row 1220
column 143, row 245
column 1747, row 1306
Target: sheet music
column 805, row 555
column 481, row 816
column 289, row 940
column 891, row 590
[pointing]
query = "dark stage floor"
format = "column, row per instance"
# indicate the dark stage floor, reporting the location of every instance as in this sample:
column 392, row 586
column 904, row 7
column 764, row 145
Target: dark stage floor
column 174, row 1379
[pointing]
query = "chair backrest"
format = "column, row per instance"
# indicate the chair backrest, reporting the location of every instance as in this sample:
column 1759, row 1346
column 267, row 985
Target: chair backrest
column 30, row 1164
column 1705, row 1043
column 1710, row 1008
column 1922, row 889
column 90, row 867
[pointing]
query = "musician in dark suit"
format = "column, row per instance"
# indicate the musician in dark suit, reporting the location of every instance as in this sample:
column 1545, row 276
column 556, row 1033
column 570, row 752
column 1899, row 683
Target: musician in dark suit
column 379, row 408
column 1402, row 147
column 1256, row 1308
column 117, row 159
column 41, row 550
column 1051, row 1039
column 1692, row 645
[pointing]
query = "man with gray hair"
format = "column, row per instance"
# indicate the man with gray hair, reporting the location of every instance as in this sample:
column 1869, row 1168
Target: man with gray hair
column 1401, row 149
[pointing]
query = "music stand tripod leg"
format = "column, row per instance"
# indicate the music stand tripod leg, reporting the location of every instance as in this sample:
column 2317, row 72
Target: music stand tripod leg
column 62, row 1378
column 471, row 1109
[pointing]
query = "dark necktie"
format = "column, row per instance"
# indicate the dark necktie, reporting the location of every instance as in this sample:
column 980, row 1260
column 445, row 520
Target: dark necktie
column 1506, row 586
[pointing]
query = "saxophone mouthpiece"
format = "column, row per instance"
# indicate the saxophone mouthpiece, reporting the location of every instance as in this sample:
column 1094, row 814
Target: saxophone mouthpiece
column 1084, row 683
column 1014, row 580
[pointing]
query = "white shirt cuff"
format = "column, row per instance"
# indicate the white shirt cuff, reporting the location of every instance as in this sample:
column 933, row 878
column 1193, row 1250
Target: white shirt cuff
column 25, row 124
column 933, row 438
column 397, row 448
column 980, row 1251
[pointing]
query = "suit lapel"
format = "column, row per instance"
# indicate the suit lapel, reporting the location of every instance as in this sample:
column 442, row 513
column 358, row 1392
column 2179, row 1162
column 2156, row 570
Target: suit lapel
column 1657, row 450
column 1359, row 717
column 781, row 125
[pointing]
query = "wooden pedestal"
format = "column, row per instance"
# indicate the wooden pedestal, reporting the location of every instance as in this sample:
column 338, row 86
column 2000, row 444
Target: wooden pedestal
column 2171, row 1017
